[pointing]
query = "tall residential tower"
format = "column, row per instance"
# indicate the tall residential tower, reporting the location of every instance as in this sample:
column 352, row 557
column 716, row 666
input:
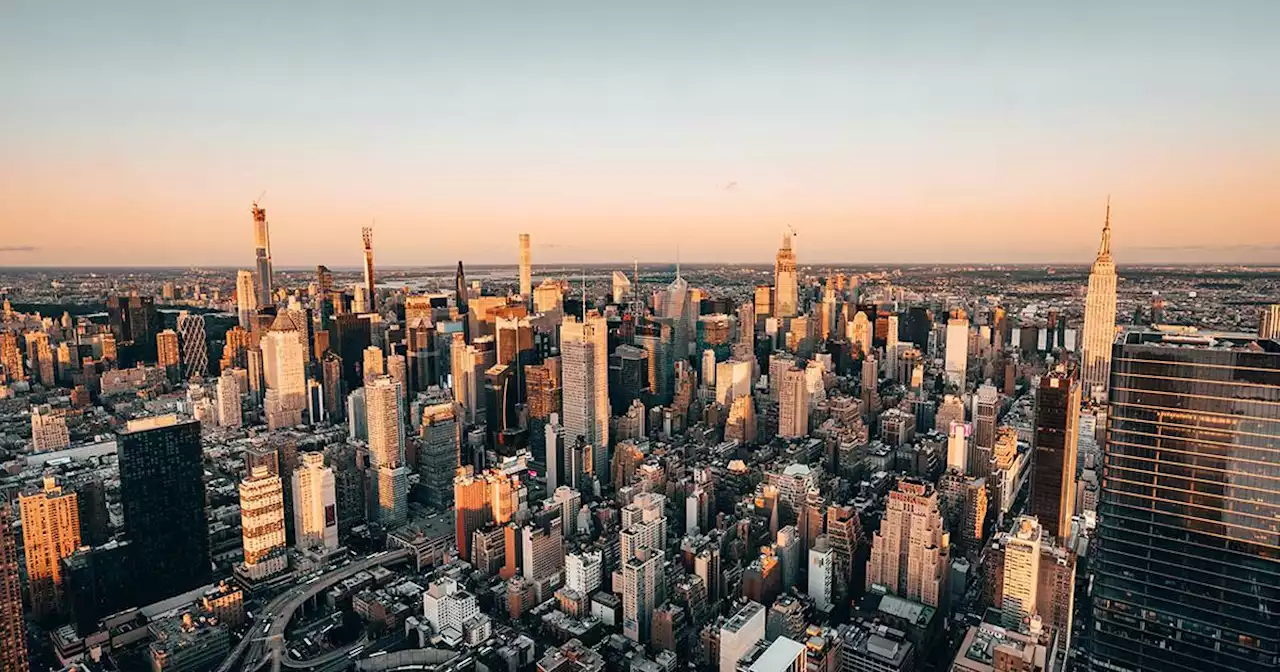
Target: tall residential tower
column 526, row 269
column 366, row 234
column 262, row 252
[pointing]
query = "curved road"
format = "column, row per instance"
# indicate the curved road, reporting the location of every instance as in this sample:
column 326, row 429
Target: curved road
column 259, row 648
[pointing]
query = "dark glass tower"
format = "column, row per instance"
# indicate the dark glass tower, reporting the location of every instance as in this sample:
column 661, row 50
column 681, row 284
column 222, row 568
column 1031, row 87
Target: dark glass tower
column 1187, row 573
column 134, row 322
column 1053, row 475
column 162, row 491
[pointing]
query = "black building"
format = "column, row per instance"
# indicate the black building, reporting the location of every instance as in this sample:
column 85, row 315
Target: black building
column 98, row 583
column 134, row 323
column 162, row 492
column 349, row 335
column 628, row 377
column 1053, row 475
column 1187, row 564
column 917, row 326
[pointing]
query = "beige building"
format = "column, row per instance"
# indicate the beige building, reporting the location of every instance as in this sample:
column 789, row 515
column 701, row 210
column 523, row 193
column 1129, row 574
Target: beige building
column 50, row 532
column 910, row 551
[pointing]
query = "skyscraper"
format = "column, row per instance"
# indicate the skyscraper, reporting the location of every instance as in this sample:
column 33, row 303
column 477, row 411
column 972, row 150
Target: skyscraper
column 793, row 404
column 228, row 392
column 1100, row 317
column 284, row 369
column 262, row 522
column 1053, row 479
column 526, row 269
column 315, row 506
column 191, row 340
column 621, row 287
column 640, row 577
column 13, row 635
column 162, row 494
column 986, row 411
column 677, row 307
column 384, row 408
column 786, row 301
column 262, row 253
column 246, row 298
column 134, row 322
column 169, row 355
column 440, row 451
column 1187, row 567
column 584, row 361
column 366, row 235
column 957, row 352
column 1021, row 573
column 50, row 532
column 909, row 555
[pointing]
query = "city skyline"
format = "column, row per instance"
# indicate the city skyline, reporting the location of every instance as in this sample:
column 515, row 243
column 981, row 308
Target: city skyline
column 712, row 127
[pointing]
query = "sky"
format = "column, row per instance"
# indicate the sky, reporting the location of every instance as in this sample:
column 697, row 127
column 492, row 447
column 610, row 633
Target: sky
column 139, row 133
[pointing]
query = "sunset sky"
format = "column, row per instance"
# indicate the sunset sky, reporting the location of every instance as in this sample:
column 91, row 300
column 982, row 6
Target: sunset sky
column 139, row 133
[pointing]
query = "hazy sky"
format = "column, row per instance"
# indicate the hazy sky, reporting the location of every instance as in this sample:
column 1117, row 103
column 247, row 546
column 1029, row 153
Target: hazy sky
column 138, row 133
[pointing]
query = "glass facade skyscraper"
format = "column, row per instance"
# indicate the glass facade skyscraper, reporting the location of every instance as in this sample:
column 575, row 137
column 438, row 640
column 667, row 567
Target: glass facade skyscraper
column 162, row 493
column 1187, row 573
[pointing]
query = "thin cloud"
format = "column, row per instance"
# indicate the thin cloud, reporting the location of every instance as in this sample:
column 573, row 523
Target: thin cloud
column 19, row 248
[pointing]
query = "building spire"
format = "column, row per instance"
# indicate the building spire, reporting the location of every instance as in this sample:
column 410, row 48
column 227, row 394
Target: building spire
column 1104, row 249
column 677, row 261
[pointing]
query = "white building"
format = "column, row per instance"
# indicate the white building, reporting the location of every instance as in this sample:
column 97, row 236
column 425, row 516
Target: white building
column 739, row 634
column 284, row 368
column 447, row 607
column 384, row 412
column 957, row 353
column 793, row 404
column 315, row 511
column 228, row 393
column 568, row 501
column 584, row 572
column 783, row 655
column 644, row 525
column 821, row 573
column 584, row 361
column 640, row 591
column 733, row 380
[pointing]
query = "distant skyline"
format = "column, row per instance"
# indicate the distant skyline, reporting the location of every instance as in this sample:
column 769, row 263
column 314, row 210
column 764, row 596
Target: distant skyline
column 925, row 132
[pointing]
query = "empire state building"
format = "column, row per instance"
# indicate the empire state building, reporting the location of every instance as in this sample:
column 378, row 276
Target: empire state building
column 1100, row 316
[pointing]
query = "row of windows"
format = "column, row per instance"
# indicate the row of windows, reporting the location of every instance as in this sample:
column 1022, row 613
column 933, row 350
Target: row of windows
column 1202, row 605
column 1170, row 493
column 1189, row 574
column 1117, row 521
column 1197, row 519
column 1245, row 481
